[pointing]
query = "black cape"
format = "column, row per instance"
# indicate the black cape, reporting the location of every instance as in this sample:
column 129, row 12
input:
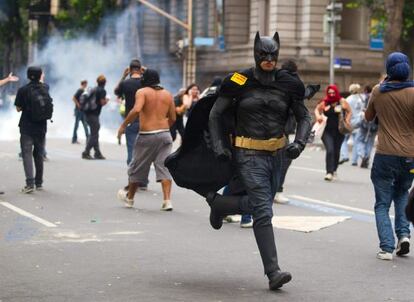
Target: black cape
column 193, row 165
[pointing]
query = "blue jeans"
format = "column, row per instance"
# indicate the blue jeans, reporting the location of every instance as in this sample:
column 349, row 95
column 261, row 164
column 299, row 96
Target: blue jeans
column 366, row 141
column 344, row 147
column 131, row 133
column 391, row 179
column 79, row 117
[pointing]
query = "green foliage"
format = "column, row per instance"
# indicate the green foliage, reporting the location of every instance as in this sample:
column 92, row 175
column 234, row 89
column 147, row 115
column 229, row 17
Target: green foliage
column 377, row 10
column 408, row 20
column 13, row 33
column 14, row 23
column 78, row 16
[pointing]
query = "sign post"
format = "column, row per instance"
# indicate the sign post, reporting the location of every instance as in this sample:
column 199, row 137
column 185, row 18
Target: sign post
column 333, row 8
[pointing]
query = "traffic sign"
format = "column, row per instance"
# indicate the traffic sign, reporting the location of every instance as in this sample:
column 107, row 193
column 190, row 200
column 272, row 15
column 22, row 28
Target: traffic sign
column 343, row 63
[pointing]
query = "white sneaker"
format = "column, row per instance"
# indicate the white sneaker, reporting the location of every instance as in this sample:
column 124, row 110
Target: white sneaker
column 123, row 196
column 166, row 206
column 280, row 198
column 232, row 218
column 328, row 177
column 27, row 190
column 383, row 255
column 246, row 225
column 403, row 246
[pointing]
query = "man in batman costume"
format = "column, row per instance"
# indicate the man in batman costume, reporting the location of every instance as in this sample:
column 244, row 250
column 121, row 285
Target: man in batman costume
column 238, row 144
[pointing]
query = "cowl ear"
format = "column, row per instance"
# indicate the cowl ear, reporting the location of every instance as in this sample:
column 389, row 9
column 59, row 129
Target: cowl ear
column 257, row 40
column 276, row 38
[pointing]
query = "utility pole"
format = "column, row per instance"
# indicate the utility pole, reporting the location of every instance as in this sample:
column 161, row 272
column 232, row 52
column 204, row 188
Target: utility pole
column 333, row 8
column 189, row 63
column 332, row 45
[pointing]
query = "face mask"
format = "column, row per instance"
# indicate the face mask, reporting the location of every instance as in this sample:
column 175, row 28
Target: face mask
column 266, row 48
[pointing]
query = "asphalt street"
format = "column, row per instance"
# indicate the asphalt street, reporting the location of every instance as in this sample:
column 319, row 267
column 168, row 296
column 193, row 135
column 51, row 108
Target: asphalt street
column 75, row 241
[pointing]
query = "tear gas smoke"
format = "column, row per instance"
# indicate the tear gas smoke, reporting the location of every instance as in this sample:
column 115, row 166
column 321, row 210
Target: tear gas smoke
column 67, row 62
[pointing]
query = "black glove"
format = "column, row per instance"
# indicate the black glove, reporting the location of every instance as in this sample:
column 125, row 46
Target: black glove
column 293, row 150
column 311, row 90
column 207, row 138
column 221, row 152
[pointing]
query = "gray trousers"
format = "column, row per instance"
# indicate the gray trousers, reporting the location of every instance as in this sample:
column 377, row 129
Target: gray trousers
column 32, row 147
column 93, row 139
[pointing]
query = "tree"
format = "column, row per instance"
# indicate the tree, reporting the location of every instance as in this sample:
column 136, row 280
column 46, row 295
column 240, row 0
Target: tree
column 76, row 16
column 13, row 33
column 394, row 27
column 396, row 22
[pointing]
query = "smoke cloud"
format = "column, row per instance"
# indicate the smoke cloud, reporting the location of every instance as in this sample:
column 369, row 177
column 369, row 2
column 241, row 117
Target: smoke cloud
column 67, row 62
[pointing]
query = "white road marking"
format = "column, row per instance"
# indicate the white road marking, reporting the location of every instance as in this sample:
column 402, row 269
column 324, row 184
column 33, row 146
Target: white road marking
column 126, row 233
column 28, row 215
column 306, row 224
column 308, row 169
column 333, row 205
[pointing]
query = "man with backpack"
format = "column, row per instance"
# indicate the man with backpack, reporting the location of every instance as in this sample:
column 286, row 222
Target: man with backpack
column 79, row 115
column 91, row 103
column 35, row 103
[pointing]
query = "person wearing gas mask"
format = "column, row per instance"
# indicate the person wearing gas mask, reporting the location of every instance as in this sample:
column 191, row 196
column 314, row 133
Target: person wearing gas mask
column 261, row 98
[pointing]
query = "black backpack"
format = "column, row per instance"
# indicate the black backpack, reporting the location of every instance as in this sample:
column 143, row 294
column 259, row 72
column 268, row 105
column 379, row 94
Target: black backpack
column 87, row 100
column 41, row 104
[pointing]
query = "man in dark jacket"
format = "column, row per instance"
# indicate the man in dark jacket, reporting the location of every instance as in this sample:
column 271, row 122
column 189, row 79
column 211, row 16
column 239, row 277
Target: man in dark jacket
column 92, row 117
column 32, row 130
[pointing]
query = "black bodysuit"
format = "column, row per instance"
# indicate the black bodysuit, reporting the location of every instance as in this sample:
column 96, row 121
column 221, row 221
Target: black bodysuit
column 261, row 111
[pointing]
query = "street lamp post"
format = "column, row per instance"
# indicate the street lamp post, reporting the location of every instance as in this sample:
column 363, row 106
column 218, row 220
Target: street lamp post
column 332, row 45
column 333, row 8
column 189, row 63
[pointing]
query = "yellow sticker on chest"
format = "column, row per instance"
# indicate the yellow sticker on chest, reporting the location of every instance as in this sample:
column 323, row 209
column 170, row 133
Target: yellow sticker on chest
column 238, row 78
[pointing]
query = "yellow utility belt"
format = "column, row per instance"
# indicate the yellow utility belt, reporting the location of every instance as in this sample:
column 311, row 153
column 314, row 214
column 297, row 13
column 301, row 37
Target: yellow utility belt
column 271, row 145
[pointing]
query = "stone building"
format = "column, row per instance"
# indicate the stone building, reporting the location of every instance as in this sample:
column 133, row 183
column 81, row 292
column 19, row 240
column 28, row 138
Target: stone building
column 231, row 26
column 302, row 28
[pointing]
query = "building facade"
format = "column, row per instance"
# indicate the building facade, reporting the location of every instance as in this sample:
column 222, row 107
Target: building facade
column 303, row 31
column 226, row 29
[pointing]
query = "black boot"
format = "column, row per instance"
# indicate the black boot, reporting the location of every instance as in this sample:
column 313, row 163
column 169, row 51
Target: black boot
column 98, row 155
column 266, row 243
column 279, row 278
column 221, row 206
column 365, row 162
column 86, row 155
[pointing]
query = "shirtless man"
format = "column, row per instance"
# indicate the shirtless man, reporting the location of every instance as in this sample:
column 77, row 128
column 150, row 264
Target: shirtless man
column 156, row 110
